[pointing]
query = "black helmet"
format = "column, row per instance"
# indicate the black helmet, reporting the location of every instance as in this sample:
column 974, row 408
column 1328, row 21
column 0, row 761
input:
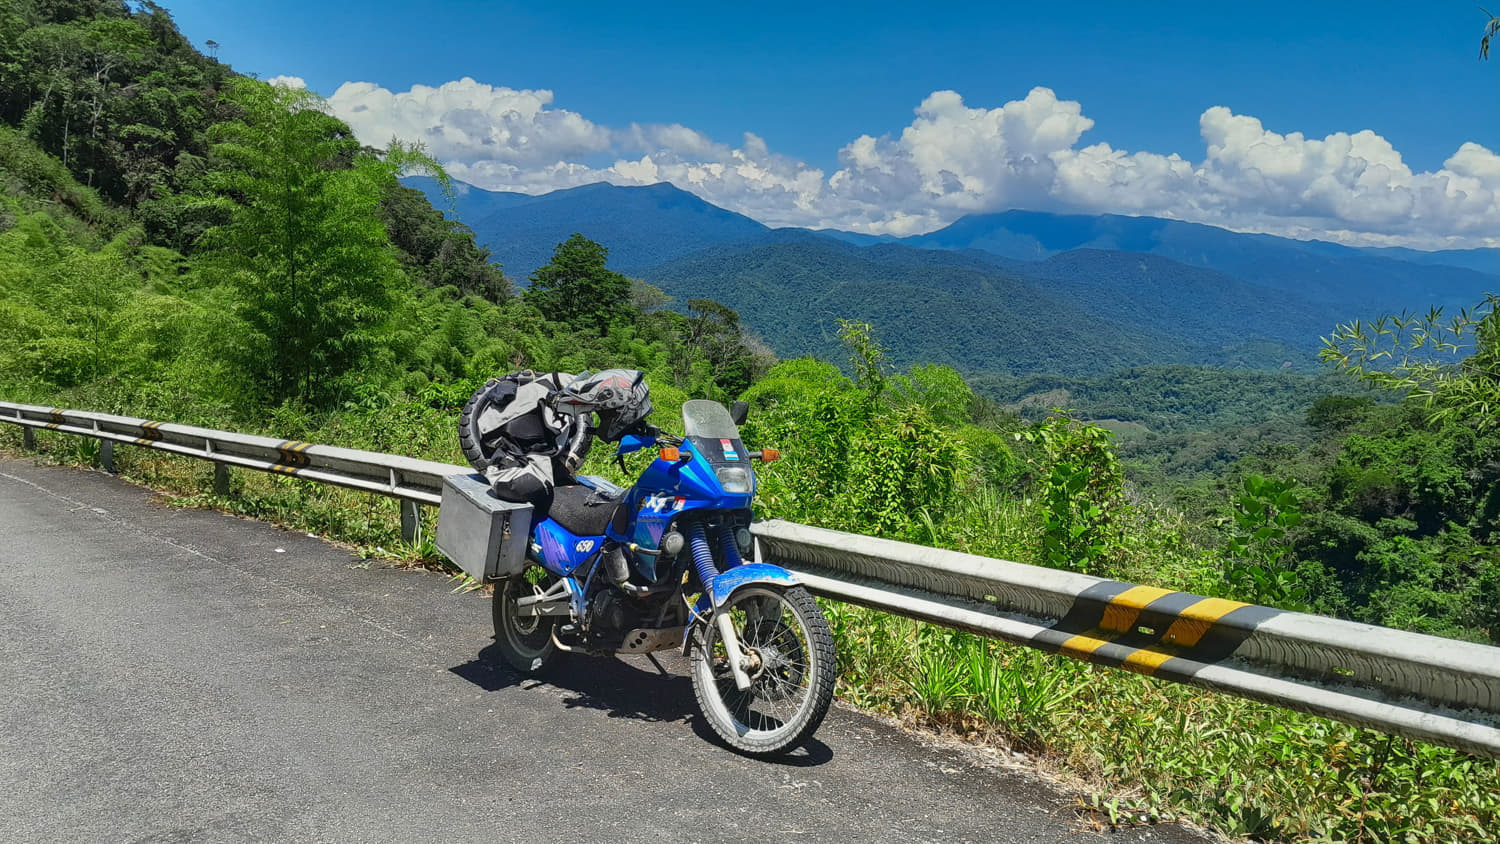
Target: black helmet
column 619, row 396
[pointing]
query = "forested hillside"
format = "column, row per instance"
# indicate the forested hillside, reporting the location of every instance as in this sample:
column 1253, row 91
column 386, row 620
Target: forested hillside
column 183, row 243
column 1167, row 399
column 981, row 317
column 969, row 317
column 1176, row 299
column 1233, row 300
column 171, row 243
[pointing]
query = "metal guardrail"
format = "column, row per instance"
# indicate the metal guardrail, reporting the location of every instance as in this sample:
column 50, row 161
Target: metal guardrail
column 413, row 482
column 1425, row 687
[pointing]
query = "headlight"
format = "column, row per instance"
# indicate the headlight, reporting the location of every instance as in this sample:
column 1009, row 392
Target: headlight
column 734, row 478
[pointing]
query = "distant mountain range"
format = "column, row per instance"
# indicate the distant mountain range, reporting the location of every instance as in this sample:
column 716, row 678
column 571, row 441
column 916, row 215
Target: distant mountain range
column 1016, row 292
column 1326, row 272
column 642, row 226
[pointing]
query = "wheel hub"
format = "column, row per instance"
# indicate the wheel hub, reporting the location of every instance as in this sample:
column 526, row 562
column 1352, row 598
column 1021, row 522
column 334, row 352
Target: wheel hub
column 753, row 663
column 526, row 623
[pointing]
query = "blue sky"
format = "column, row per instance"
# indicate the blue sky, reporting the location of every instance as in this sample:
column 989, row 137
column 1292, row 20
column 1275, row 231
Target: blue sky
column 810, row 79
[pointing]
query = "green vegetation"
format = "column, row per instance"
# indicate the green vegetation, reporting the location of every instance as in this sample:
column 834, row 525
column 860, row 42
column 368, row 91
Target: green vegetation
column 928, row 306
column 1167, row 399
column 1081, row 493
column 1259, row 556
column 1464, row 386
column 252, row 261
column 305, row 249
column 182, row 243
column 577, row 289
column 1167, row 751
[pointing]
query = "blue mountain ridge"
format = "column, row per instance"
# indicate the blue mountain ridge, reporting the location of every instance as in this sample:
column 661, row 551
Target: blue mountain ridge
column 1373, row 280
column 642, row 226
column 465, row 202
column 1013, row 292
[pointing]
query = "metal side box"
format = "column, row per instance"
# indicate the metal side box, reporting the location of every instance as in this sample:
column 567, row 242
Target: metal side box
column 485, row 536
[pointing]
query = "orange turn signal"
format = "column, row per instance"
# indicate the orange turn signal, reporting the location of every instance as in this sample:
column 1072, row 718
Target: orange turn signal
column 769, row 455
column 671, row 454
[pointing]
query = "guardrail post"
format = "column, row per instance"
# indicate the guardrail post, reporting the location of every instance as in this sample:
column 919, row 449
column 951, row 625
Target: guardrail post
column 411, row 520
column 221, row 479
column 28, row 438
column 107, row 455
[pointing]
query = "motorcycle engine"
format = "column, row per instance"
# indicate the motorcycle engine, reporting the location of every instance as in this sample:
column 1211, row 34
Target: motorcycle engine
column 611, row 613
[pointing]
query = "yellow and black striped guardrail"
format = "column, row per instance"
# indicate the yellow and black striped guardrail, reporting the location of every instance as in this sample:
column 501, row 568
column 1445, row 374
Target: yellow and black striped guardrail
column 1149, row 630
column 293, row 457
column 1425, row 687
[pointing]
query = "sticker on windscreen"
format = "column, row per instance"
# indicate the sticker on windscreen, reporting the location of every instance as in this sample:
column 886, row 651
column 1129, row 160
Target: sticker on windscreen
column 729, row 452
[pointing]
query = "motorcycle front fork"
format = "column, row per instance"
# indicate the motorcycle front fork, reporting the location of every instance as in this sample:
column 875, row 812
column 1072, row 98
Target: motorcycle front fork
column 703, row 562
column 732, row 650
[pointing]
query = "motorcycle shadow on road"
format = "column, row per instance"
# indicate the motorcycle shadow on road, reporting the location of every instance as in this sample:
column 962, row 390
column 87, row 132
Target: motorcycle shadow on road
column 633, row 687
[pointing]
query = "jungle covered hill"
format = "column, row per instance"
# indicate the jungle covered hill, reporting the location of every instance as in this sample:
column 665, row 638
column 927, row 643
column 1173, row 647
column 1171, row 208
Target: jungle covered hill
column 992, row 293
column 187, row 238
column 183, row 243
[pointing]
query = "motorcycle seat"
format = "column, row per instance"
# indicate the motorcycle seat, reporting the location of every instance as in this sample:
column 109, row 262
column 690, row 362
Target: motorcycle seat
column 584, row 511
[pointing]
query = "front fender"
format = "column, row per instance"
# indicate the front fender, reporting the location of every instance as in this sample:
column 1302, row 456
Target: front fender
column 723, row 585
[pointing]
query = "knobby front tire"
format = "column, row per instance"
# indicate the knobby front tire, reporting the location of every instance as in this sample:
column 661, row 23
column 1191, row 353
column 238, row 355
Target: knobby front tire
column 790, row 646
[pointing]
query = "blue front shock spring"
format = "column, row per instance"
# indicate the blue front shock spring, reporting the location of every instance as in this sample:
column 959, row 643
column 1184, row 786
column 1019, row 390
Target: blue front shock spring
column 703, row 556
column 731, row 549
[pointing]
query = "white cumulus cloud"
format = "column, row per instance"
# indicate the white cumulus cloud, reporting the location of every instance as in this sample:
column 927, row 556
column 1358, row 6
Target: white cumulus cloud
column 468, row 121
column 953, row 159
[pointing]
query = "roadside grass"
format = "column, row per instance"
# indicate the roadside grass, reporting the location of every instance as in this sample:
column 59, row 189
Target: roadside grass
column 1147, row 751
column 1166, row 751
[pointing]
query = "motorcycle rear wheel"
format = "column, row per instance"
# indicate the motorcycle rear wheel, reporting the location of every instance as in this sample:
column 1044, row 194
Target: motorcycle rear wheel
column 524, row 641
column 786, row 637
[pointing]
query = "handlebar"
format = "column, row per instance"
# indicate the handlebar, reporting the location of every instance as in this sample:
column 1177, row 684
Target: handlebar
column 645, row 436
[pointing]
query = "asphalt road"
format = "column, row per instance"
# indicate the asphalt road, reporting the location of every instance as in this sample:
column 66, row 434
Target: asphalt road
column 177, row 675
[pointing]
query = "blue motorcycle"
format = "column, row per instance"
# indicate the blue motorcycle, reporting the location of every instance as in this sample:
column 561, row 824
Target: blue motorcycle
column 662, row 565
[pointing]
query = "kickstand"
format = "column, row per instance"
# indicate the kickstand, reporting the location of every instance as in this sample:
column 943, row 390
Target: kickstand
column 659, row 666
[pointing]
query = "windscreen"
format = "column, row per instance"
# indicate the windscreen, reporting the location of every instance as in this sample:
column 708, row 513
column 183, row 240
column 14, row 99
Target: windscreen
column 704, row 418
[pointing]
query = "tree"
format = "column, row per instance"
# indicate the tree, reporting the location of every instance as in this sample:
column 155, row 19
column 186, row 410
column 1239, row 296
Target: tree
column 1082, row 491
column 576, row 288
column 866, row 354
column 647, row 298
column 306, row 247
column 116, row 93
column 939, row 389
column 713, row 331
column 1338, row 413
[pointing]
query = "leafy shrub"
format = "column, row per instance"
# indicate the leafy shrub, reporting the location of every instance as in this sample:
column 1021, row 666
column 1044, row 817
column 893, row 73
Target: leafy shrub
column 1082, row 493
column 1260, row 568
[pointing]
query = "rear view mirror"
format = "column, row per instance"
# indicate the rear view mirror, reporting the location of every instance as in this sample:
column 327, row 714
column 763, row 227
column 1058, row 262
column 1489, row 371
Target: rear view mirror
column 738, row 411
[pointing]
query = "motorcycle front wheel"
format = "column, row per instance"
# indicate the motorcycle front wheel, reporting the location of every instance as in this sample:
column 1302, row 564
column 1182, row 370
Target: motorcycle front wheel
column 525, row 641
column 790, row 656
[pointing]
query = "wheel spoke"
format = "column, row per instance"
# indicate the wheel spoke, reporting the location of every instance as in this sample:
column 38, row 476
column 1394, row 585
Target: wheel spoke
column 792, row 679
